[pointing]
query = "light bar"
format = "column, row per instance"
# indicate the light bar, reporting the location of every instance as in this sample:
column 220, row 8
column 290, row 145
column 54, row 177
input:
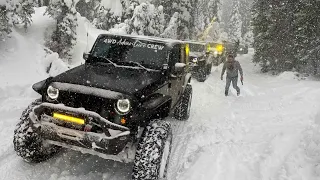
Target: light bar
column 68, row 118
column 219, row 48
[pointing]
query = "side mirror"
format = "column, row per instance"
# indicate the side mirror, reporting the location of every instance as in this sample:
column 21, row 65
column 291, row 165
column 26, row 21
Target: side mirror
column 179, row 68
column 85, row 56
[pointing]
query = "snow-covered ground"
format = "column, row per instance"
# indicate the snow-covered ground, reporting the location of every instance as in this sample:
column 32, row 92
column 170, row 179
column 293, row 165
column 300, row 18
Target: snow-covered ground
column 271, row 132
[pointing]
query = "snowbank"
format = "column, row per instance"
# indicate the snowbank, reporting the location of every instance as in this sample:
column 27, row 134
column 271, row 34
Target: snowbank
column 287, row 75
column 55, row 65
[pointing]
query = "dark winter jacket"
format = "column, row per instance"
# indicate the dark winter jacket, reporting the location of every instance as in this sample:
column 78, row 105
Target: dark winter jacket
column 232, row 68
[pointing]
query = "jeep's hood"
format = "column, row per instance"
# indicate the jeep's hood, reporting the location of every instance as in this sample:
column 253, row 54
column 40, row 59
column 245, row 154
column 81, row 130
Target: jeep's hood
column 124, row 80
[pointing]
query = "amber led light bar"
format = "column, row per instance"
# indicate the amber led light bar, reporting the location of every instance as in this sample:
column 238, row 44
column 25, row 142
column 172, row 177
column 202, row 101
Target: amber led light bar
column 68, row 118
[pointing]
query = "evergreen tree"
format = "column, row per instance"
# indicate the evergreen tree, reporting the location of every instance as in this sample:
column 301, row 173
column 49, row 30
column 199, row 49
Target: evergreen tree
column 157, row 23
column 128, row 7
column 147, row 20
column 235, row 25
column 88, row 8
column 245, row 15
column 194, row 15
column 21, row 11
column 185, row 28
column 5, row 25
column 307, row 43
column 248, row 37
column 64, row 37
column 260, row 23
column 274, row 34
column 141, row 18
column 105, row 19
column 172, row 28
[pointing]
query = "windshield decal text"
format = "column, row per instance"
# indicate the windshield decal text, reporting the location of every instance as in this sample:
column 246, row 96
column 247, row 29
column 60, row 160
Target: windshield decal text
column 124, row 42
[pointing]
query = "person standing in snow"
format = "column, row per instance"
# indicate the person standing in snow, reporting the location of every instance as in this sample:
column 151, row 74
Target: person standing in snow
column 233, row 68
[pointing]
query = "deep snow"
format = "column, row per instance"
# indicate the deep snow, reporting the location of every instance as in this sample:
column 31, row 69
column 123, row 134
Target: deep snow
column 271, row 132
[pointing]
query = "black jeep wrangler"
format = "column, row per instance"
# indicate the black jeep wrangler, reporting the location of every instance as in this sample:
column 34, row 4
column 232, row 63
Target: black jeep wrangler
column 200, row 61
column 217, row 51
column 112, row 106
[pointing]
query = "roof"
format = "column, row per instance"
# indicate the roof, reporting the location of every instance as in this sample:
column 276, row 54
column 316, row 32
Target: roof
column 195, row 42
column 169, row 42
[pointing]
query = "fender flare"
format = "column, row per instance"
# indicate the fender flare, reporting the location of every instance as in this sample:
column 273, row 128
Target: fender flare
column 187, row 81
column 156, row 101
column 39, row 86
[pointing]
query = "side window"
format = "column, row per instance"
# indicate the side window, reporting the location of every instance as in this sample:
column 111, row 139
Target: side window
column 174, row 55
column 182, row 54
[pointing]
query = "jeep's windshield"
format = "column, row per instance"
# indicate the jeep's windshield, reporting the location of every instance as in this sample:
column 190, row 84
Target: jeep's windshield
column 196, row 48
column 121, row 49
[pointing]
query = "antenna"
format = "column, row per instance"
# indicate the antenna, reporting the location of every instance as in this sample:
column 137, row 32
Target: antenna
column 87, row 37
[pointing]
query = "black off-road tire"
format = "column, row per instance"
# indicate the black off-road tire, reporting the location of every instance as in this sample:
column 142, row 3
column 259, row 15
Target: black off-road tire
column 182, row 111
column 155, row 143
column 202, row 74
column 28, row 143
column 209, row 68
column 217, row 61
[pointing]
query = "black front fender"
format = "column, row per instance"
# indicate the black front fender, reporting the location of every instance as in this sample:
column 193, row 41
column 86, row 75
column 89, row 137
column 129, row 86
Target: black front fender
column 155, row 101
column 39, row 87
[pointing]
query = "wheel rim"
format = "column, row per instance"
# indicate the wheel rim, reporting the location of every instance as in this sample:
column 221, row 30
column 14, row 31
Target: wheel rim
column 165, row 158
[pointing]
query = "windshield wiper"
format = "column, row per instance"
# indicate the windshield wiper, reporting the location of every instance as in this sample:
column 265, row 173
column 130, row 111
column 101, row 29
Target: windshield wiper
column 141, row 66
column 111, row 62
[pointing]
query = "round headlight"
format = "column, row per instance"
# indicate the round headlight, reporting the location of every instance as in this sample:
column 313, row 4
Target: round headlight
column 52, row 92
column 194, row 60
column 215, row 53
column 123, row 106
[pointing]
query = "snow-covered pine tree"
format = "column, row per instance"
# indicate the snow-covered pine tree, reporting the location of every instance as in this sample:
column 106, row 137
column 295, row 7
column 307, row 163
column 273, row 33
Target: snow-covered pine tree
column 141, row 17
column 20, row 11
column 186, row 21
column 88, row 8
column 204, row 13
column 307, row 33
column 147, row 20
column 157, row 23
column 105, row 19
column 260, row 24
column 172, row 28
column 245, row 14
column 64, row 37
column 235, row 25
column 5, row 25
column 274, row 33
column 248, row 37
column 128, row 7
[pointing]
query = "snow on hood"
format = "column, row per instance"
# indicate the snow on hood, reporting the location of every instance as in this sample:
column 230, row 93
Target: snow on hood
column 123, row 80
column 195, row 54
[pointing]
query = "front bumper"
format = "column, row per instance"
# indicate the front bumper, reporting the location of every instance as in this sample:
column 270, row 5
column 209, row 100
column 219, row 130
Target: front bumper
column 110, row 140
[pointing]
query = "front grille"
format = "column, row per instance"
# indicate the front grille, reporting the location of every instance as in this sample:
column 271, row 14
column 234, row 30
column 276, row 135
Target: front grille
column 88, row 102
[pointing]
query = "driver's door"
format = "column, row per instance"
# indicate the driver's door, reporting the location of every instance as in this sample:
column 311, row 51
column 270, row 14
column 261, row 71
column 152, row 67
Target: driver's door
column 176, row 81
